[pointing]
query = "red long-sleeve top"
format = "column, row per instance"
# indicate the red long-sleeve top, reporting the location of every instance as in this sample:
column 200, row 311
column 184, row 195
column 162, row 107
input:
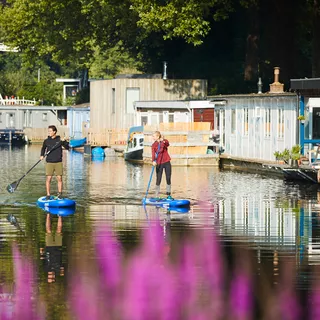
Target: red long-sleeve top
column 162, row 152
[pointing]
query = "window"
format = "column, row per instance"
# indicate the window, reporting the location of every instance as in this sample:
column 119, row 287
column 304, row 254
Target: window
column 233, row 121
column 0, row 117
column 245, row 121
column 11, row 120
column 44, row 116
column 281, row 122
column 113, row 100
column 267, row 122
column 144, row 120
column 160, row 117
column 154, row 119
column 141, row 142
column 132, row 95
column 171, row 118
column 30, row 119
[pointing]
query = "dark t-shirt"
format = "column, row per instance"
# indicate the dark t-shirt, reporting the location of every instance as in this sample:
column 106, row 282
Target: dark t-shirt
column 53, row 144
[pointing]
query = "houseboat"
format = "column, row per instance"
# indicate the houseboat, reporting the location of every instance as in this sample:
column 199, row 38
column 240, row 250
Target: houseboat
column 12, row 137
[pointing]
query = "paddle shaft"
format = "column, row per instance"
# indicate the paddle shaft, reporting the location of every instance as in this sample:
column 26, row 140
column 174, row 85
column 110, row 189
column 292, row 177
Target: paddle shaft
column 54, row 147
column 152, row 170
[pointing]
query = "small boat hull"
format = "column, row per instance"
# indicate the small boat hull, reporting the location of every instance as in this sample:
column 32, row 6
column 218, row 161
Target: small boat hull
column 77, row 143
column 135, row 155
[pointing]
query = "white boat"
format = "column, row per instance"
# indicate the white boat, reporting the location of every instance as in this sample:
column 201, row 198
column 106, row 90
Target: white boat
column 134, row 149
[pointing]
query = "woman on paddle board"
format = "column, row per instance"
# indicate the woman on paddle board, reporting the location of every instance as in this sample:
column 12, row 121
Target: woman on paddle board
column 53, row 144
column 161, row 159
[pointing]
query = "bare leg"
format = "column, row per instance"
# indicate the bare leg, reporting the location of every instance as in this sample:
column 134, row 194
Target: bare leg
column 59, row 225
column 48, row 181
column 59, row 179
column 48, row 223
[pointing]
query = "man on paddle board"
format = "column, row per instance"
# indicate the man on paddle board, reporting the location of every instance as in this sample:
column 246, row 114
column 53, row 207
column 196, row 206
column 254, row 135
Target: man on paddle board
column 53, row 144
column 161, row 159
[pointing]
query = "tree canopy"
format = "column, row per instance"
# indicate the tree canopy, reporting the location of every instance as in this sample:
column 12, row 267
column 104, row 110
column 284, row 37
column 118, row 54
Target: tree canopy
column 229, row 42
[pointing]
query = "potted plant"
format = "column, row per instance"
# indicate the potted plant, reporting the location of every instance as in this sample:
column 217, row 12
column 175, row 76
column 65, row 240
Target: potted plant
column 295, row 154
column 286, row 155
column 301, row 118
column 278, row 155
column 295, row 157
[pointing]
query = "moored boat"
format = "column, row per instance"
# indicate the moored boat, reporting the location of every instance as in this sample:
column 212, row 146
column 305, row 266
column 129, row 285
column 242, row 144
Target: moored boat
column 77, row 143
column 12, row 137
column 134, row 149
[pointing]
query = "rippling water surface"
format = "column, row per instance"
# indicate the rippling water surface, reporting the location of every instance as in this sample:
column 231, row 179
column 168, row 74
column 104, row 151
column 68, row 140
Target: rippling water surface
column 276, row 220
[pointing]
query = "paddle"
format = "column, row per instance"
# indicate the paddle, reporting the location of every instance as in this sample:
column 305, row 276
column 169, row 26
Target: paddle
column 152, row 172
column 14, row 185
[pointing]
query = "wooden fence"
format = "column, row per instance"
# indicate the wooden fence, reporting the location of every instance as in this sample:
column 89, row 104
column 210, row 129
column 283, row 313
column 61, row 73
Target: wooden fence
column 106, row 137
column 187, row 140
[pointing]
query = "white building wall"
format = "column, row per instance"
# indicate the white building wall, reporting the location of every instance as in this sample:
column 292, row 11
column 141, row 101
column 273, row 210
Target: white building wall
column 256, row 144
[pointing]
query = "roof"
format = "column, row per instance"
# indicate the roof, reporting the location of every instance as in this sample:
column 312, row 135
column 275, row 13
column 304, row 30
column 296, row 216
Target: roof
column 67, row 80
column 249, row 95
column 301, row 84
column 171, row 104
column 38, row 108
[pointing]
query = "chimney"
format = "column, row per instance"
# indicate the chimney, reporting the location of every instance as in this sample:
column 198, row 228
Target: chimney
column 276, row 86
column 164, row 70
column 259, row 85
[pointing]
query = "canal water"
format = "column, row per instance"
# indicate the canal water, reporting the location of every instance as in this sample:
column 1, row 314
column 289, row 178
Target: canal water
column 275, row 221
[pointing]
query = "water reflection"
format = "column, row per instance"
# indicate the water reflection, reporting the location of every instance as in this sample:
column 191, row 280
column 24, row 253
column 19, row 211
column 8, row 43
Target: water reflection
column 52, row 253
column 274, row 219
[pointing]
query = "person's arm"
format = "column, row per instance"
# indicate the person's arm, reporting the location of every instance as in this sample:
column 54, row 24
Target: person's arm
column 166, row 143
column 153, row 153
column 43, row 149
column 65, row 144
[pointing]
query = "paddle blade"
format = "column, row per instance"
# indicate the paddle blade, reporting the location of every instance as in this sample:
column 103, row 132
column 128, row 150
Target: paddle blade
column 13, row 186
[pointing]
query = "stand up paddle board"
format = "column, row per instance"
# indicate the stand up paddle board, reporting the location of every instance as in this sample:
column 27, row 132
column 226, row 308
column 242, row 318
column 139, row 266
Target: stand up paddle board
column 63, row 211
column 55, row 203
column 166, row 203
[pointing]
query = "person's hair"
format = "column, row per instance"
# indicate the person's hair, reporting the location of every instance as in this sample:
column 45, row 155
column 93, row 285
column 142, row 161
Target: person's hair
column 54, row 128
column 158, row 134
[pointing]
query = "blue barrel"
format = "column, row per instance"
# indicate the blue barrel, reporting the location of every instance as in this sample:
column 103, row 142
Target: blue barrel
column 97, row 152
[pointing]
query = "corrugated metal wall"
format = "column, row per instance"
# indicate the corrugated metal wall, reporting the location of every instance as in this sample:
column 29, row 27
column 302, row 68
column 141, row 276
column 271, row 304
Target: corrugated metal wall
column 256, row 141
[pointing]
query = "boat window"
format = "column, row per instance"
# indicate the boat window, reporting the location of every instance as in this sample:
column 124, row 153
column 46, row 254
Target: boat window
column 171, row 117
column 134, row 142
column 267, row 122
column 233, row 121
column 0, row 117
column 246, row 121
column 141, row 142
column 281, row 122
column 316, row 123
column 44, row 116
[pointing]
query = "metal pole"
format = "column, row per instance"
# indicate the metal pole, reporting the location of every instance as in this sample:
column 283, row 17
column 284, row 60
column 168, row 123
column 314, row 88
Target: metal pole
column 301, row 126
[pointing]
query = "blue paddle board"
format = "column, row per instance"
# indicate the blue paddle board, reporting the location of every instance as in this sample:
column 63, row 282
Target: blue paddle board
column 55, row 203
column 167, row 203
column 63, row 211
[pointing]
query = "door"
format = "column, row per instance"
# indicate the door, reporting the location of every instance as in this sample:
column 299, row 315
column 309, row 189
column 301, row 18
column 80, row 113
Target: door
column 204, row 115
